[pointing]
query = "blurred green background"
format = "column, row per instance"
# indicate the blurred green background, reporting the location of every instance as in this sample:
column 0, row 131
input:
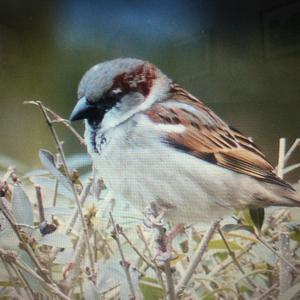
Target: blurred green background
column 240, row 57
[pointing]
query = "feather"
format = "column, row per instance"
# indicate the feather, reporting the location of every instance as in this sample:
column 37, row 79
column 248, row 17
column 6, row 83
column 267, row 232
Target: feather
column 208, row 137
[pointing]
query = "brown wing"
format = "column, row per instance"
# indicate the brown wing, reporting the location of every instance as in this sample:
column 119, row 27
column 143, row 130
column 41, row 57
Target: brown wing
column 209, row 138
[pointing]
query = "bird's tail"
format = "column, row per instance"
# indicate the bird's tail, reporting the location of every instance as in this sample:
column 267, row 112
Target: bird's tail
column 286, row 197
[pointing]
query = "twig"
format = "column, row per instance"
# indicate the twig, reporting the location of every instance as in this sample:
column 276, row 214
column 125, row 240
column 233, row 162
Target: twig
column 229, row 260
column 25, row 245
column 197, row 257
column 11, row 257
column 11, row 276
column 55, row 193
column 8, row 173
column 84, row 194
column 278, row 254
column 135, row 249
column 157, row 269
column 104, row 240
column 291, row 150
column 76, row 265
column 59, row 119
column 27, row 288
column 285, row 275
column 125, row 264
column 40, row 203
column 170, row 282
column 232, row 254
column 281, row 156
column 27, row 226
column 291, row 168
column 62, row 155
column 267, row 292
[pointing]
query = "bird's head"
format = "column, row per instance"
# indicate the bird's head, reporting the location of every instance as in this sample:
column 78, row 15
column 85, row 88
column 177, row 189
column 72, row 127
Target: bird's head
column 114, row 90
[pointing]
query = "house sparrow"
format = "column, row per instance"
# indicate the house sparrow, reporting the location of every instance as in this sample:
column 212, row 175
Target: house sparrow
column 153, row 142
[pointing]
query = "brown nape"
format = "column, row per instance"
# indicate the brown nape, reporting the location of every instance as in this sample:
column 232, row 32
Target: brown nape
column 138, row 80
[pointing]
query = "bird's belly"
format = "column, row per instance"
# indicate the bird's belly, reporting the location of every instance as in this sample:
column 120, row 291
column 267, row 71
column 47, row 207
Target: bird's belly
column 197, row 190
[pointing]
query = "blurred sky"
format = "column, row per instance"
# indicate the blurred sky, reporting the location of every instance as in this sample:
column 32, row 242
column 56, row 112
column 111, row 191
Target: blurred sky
column 240, row 57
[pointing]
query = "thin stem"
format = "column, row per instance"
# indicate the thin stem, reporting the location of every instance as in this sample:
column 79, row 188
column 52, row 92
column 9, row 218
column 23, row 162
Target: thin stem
column 278, row 255
column 170, row 282
column 135, row 249
column 12, row 258
column 40, row 203
column 125, row 264
column 26, row 285
column 84, row 194
column 267, row 292
column 157, row 269
column 281, row 156
column 291, row 150
column 59, row 119
column 55, row 193
column 232, row 254
column 285, row 275
column 12, row 278
column 76, row 265
column 197, row 257
column 62, row 154
column 26, row 247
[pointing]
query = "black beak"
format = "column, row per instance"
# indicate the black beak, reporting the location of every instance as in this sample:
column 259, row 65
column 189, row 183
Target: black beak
column 82, row 110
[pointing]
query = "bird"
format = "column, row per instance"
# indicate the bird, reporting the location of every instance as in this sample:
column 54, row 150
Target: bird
column 153, row 142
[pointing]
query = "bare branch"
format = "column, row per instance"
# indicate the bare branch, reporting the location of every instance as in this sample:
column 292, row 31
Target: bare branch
column 59, row 119
column 62, row 155
column 12, row 257
column 125, row 264
column 40, row 203
column 285, row 275
column 197, row 257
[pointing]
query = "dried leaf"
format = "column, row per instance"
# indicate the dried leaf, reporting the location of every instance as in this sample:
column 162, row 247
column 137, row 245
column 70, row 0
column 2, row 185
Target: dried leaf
column 48, row 161
column 21, row 206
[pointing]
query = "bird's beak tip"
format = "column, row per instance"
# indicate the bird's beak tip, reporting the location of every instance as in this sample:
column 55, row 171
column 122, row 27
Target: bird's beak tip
column 80, row 110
